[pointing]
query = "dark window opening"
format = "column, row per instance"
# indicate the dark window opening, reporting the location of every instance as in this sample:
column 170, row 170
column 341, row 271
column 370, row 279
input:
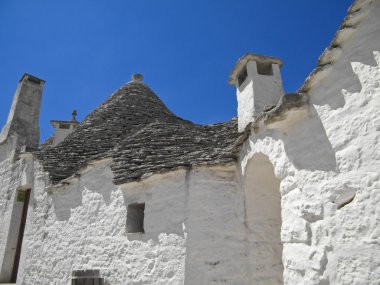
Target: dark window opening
column 86, row 277
column 264, row 68
column 242, row 76
column 135, row 218
column 64, row 126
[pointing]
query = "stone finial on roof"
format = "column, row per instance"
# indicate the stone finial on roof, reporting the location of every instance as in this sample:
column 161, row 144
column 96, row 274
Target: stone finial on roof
column 74, row 115
column 137, row 77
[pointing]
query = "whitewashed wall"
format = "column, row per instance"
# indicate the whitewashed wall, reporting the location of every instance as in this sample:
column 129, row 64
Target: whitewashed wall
column 9, row 181
column 193, row 225
column 329, row 158
column 196, row 228
column 14, row 175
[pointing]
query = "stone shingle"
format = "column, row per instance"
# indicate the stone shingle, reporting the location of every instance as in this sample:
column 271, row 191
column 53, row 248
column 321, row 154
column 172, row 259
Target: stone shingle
column 143, row 137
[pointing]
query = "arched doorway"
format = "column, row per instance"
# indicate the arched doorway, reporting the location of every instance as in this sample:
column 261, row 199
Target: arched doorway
column 263, row 222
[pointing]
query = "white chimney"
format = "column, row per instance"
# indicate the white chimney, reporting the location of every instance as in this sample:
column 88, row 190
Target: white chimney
column 258, row 82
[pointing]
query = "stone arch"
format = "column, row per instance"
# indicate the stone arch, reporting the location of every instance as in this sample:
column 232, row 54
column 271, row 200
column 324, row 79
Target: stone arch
column 263, row 222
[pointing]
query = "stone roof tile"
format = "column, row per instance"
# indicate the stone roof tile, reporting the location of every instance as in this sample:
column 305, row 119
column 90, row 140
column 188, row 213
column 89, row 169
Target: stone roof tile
column 136, row 129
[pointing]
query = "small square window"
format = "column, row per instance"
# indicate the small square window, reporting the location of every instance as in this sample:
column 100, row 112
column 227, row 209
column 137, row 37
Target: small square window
column 264, row 68
column 135, row 218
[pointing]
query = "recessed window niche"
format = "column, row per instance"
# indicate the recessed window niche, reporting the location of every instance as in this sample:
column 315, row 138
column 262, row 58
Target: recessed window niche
column 135, row 218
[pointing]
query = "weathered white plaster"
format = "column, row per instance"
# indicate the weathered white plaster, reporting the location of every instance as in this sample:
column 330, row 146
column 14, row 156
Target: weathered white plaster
column 257, row 92
column 62, row 130
column 299, row 207
column 190, row 215
column 9, row 180
column 14, row 175
column 83, row 226
column 215, row 248
column 329, row 169
column 263, row 222
column 61, row 134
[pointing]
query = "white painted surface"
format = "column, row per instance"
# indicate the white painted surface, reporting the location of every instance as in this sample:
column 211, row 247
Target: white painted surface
column 84, row 227
column 324, row 162
column 196, row 221
column 257, row 92
column 190, row 216
column 61, row 134
column 263, row 222
column 215, row 248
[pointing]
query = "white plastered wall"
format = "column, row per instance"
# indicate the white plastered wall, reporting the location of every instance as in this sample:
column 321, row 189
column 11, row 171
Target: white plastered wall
column 60, row 134
column 14, row 175
column 263, row 222
column 83, row 226
column 9, row 181
column 194, row 228
column 329, row 165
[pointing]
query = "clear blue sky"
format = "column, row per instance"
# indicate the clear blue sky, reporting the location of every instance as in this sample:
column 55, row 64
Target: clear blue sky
column 85, row 50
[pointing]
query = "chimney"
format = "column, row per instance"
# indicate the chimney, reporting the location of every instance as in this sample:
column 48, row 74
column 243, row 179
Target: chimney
column 23, row 118
column 258, row 82
column 64, row 128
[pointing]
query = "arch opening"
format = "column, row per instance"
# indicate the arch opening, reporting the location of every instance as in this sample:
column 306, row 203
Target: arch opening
column 263, row 222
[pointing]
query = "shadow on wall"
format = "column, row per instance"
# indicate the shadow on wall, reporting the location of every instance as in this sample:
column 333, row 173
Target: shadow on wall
column 307, row 145
column 342, row 76
column 100, row 181
column 64, row 201
column 263, row 221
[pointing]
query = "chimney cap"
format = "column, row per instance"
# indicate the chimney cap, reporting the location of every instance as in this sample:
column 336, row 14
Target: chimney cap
column 32, row 78
column 247, row 57
column 137, row 77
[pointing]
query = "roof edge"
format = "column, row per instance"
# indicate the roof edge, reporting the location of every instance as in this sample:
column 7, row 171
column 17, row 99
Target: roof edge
column 355, row 14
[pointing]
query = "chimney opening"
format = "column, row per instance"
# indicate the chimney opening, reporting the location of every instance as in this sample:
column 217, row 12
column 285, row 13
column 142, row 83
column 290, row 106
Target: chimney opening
column 264, row 68
column 242, row 75
column 64, row 126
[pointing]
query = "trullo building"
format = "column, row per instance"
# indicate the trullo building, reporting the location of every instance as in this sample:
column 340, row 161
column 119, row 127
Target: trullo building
column 286, row 193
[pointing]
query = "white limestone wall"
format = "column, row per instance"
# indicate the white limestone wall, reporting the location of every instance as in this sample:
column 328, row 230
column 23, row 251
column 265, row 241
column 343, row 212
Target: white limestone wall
column 9, row 181
column 329, row 166
column 246, row 105
column 83, row 226
column 263, row 221
column 194, row 230
column 215, row 245
column 14, row 175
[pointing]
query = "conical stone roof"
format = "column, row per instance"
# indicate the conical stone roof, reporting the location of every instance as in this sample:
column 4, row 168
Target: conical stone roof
column 136, row 129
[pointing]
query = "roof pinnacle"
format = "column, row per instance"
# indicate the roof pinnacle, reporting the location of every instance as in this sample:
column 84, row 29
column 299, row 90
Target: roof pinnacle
column 137, row 77
column 74, row 116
